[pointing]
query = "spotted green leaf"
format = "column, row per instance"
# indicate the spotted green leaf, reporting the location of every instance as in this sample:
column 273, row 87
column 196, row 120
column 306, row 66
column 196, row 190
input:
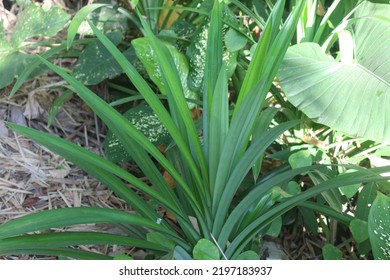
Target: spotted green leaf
column 196, row 53
column 379, row 227
column 96, row 63
column 145, row 120
column 104, row 18
column 35, row 21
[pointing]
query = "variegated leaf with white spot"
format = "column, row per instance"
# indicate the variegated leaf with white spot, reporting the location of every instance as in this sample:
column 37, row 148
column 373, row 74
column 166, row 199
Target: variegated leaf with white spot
column 379, row 227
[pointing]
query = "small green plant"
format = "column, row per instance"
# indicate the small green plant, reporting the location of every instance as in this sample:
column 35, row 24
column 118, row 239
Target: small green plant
column 208, row 163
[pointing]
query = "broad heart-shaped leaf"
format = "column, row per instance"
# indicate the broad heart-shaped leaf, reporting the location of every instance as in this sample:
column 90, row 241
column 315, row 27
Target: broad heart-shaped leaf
column 35, row 21
column 349, row 96
column 379, row 227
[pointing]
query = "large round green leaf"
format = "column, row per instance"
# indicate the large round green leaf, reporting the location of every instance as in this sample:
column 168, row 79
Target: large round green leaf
column 351, row 95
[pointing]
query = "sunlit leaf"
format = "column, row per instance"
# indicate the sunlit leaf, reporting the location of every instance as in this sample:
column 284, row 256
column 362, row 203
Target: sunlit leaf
column 348, row 96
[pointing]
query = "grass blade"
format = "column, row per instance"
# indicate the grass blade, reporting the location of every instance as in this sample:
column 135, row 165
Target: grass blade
column 135, row 143
column 237, row 139
column 258, row 61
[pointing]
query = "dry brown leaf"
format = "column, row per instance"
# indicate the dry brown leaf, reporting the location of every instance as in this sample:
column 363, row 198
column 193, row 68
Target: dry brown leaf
column 33, row 109
column 59, row 173
column 3, row 130
column 30, row 201
column 16, row 115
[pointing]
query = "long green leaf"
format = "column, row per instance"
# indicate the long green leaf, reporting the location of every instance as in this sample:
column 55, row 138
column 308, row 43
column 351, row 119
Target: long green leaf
column 258, row 191
column 185, row 123
column 74, row 216
column 160, row 110
column 178, row 105
column 241, row 169
column 98, row 167
column 211, row 70
column 242, row 239
column 63, row 239
column 135, row 142
column 258, row 61
column 328, row 211
column 237, row 139
column 245, row 114
column 218, row 125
